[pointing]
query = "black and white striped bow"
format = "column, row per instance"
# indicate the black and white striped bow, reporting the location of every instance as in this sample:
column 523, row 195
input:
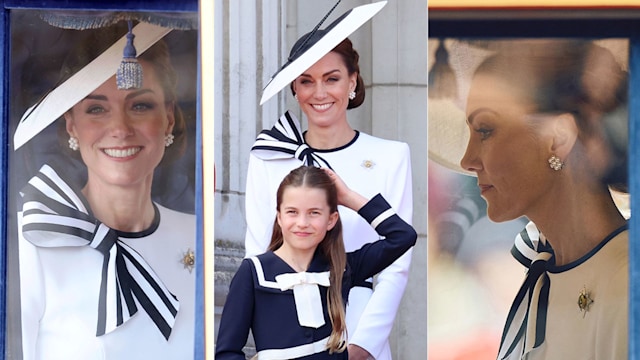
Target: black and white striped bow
column 55, row 215
column 526, row 322
column 284, row 141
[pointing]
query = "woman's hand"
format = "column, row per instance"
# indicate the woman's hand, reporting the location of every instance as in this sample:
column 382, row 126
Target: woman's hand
column 358, row 353
column 346, row 196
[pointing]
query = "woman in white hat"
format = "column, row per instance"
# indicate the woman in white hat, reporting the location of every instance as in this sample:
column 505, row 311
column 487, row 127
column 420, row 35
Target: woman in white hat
column 106, row 272
column 324, row 76
column 541, row 117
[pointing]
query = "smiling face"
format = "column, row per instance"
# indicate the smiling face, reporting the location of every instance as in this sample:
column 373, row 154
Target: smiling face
column 121, row 132
column 323, row 90
column 304, row 217
column 507, row 149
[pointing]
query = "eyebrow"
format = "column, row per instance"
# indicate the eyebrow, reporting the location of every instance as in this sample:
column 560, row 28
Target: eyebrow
column 476, row 112
column 128, row 97
column 295, row 208
column 323, row 75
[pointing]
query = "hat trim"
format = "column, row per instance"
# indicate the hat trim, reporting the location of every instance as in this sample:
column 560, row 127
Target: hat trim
column 81, row 84
column 341, row 31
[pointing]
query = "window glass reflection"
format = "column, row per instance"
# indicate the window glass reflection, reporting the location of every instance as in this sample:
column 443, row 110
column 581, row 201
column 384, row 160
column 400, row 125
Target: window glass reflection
column 527, row 132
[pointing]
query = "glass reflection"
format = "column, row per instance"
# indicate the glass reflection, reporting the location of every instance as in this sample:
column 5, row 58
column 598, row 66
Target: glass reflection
column 538, row 127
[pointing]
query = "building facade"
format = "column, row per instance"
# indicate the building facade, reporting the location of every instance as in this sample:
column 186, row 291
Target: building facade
column 253, row 38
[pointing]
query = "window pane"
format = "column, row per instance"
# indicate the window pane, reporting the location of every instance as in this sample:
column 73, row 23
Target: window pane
column 122, row 143
column 473, row 278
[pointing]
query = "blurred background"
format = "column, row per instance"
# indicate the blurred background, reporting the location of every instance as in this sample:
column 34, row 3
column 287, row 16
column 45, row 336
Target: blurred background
column 472, row 277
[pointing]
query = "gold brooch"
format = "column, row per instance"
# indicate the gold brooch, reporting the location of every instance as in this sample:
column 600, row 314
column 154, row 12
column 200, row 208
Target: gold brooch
column 188, row 260
column 368, row 164
column 584, row 301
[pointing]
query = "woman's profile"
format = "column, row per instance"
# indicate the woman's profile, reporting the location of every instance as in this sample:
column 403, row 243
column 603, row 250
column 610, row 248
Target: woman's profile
column 540, row 115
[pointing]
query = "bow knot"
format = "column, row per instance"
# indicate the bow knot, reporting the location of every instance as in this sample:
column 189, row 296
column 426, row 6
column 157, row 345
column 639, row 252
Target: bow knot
column 526, row 322
column 306, row 294
column 304, row 152
column 285, row 141
column 54, row 215
column 290, row 280
column 103, row 239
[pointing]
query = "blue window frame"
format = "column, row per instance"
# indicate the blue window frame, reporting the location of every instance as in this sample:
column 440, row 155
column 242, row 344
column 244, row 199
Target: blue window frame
column 5, row 136
column 577, row 24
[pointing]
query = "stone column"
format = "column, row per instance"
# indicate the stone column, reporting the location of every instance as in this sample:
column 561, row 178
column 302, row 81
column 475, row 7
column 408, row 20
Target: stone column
column 248, row 37
column 399, row 111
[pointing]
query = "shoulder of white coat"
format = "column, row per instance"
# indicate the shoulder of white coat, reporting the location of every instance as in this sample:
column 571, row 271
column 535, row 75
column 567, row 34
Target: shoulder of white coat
column 381, row 145
column 175, row 216
column 380, row 141
column 179, row 226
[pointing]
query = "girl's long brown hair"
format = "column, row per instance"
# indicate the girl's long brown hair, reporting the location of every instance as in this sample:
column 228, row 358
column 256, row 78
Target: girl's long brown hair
column 332, row 246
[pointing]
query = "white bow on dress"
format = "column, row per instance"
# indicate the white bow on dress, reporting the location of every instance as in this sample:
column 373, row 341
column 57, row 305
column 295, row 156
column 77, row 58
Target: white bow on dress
column 306, row 294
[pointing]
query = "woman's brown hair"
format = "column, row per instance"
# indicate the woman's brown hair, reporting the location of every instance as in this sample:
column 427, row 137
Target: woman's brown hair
column 331, row 247
column 577, row 77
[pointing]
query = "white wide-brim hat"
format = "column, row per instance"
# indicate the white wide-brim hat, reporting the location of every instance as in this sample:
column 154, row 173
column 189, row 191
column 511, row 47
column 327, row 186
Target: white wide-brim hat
column 448, row 133
column 312, row 47
column 62, row 98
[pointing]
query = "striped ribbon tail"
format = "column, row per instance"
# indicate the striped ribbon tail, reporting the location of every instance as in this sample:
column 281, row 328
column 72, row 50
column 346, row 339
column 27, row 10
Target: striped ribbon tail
column 115, row 303
column 285, row 141
column 537, row 324
column 526, row 322
column 161, row 305
column 55, row 215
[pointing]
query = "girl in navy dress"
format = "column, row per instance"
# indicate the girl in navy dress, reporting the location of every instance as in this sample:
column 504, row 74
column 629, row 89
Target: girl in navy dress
column 293, row 296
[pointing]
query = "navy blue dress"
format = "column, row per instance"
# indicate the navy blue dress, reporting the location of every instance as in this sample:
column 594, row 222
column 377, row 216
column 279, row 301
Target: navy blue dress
column 253, row 303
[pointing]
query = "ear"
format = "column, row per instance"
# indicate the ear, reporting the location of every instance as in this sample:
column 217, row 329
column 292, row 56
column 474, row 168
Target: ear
column 565, row 134
column 69, row 126
column 353, row 81
column 333, row 219
column 171, row 116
